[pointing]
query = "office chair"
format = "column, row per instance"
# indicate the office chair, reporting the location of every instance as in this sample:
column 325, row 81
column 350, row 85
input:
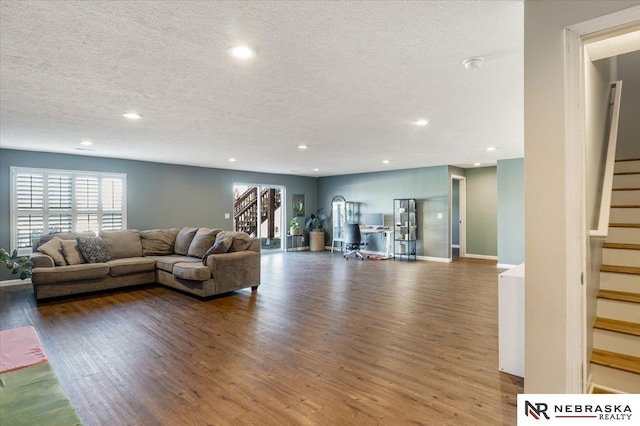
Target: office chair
column 352, row 240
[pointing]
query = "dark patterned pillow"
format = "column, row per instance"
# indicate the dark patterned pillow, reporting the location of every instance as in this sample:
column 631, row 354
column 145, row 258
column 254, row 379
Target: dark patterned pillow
column 93, row 249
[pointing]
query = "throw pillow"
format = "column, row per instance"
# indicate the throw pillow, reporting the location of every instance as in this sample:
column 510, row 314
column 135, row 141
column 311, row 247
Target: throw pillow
column 202, row 241
column 123, row 243
column 93, row 249
column 183, row 240
column 72, row 252
column 53, row 249
column 159, row 242
column 222, row 245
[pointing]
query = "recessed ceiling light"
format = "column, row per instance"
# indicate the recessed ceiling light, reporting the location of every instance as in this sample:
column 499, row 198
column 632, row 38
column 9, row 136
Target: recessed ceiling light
column 385, row 161
column 241, row 52
column 132, row 115
column 422, row 123
column 316, row 169
column 491, row 148
column 473, row 63
column 86, row 143
column 302, row 146
column 233, row 160
column 476, row 164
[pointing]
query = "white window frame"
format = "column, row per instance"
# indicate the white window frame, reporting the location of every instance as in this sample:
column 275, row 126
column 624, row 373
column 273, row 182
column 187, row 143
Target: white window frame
column 74, row 174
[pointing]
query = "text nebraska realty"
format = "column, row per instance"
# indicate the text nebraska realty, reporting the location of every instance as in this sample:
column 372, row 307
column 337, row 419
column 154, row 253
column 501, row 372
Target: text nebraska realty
column 601, row 412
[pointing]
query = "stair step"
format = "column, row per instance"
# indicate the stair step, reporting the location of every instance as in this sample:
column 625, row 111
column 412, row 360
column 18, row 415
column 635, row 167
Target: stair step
column 625, row 196
column 620, row 257
column 617, row 308
column 626, row 180
column 623, row 235
column 612, row 378
column 632, row 165
column 620, row 269
column 622, row 246
column 624, row 225
column 603, row 390
column 616, row 342
column 615, row 360
column 624, row 215
column 619, row 282
column 625, row 327
column 623, row 296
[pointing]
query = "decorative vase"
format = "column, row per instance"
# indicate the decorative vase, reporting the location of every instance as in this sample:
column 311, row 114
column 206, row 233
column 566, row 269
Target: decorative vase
column 316, row 240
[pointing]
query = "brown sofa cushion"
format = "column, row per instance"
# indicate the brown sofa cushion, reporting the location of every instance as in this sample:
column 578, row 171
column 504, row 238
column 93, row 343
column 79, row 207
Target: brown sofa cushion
column 130, row 265
column 202, row 241
column 93, row 249
column 158, row 242
column 183, row 240
column 194, row 271
column 61, row 274
column 71, row 252
column 53, row 249
column 165, row 263
column 222, row 245
column 122, row 244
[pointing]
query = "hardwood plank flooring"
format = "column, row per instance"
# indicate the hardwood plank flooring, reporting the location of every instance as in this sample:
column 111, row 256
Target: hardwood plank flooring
column 324, row 341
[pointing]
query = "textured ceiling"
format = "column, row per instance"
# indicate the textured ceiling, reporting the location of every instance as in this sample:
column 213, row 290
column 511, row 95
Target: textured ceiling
column 346, row 78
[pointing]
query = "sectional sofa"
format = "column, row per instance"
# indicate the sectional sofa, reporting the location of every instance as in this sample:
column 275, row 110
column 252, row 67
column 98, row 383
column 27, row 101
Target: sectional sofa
column 203, row 262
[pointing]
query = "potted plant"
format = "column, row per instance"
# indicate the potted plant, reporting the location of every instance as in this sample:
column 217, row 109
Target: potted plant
column 316, row 235
column 294, row 227
column 17, row 264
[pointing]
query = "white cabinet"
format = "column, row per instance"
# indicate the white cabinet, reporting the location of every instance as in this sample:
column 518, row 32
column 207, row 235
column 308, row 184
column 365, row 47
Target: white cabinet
column 511, row 321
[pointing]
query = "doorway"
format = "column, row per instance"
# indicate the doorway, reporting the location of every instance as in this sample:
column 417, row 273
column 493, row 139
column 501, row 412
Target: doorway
column 458, row 206
column 258, row 211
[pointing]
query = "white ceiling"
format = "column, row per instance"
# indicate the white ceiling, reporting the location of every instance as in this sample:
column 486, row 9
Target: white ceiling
column 346, row 78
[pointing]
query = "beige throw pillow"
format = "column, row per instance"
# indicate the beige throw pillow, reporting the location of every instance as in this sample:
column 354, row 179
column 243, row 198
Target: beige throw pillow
column 72, row 252
column 183, row 240
column 53, row 248
column 202, row 241
column 159, row 242
column 122, row 244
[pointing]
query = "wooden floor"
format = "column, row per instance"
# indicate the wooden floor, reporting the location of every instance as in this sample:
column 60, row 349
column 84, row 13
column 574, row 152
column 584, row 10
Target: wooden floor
column 324, row 341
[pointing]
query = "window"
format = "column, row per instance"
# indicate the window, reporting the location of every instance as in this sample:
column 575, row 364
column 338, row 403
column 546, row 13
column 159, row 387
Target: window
column 45, row 201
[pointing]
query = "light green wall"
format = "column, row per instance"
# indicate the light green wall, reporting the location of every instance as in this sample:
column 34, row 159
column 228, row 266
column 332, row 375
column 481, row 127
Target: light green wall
column 158, row 195
column 375, row 193
column 482, row 220
column 511, row 211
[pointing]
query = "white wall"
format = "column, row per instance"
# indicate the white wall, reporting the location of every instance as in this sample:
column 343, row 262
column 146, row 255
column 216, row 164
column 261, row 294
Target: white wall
column 629, row 127
column 545, row 175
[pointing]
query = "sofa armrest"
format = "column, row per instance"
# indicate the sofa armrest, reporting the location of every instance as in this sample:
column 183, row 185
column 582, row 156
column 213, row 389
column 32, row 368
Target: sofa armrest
column 41, row 260
column 241, row 266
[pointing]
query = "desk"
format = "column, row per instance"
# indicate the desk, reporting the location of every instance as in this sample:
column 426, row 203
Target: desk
column 387, row 233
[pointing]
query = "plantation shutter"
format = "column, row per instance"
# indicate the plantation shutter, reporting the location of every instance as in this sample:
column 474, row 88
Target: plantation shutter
column 60, row 202
column 111, row 203
column 87, row 204
column 29, row 202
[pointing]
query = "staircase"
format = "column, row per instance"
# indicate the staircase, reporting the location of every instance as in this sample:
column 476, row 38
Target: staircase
column 245, row 210
column 615, row 360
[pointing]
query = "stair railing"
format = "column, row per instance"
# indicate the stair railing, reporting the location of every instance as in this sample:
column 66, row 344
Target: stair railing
column 602, row 231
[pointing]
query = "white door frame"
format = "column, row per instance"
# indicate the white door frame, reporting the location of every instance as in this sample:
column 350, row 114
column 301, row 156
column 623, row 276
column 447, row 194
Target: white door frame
column 462, row 206
column 576, row 231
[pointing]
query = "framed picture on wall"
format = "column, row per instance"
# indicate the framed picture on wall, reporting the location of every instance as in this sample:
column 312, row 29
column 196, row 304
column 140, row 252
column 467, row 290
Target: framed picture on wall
column 298, row 205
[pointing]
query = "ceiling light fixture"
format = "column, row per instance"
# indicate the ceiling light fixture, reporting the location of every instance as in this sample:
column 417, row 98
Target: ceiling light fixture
column 241, row 52
column 302, row 146
column 86, row 143
column 316, row 169
column 491, row 148
column 233, row 160
column 385, row 161
column 476, row 164
column 132, row 115
column 422, row 123
column 473, row 63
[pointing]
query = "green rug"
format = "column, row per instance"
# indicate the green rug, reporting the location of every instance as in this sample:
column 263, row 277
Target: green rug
column 33, row 396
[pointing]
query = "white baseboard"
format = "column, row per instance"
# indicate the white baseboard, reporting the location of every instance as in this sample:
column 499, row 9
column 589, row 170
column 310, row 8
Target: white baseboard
column 9, row 283
column 481, row 256
column 435, row 259
column 505, row 265
column 455, row 245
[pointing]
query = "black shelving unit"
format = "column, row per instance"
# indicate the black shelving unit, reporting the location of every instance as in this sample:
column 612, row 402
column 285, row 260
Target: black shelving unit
column 405, row 232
